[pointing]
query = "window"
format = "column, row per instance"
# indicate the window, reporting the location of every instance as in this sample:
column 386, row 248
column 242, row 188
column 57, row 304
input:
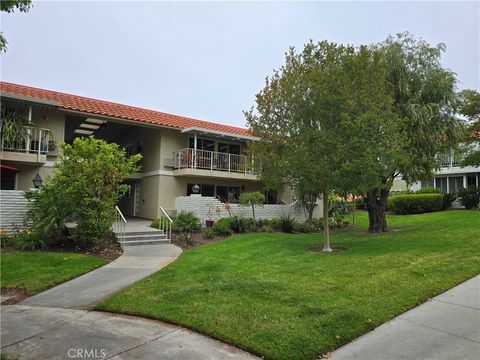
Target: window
column 7, row 180
column 455, row 183
column 472, row 180
column 441, row 183
column 229, row 148
column 228, row 193
column 202, row 144
column 427, row 184
column 205, row 189
column 271, row 197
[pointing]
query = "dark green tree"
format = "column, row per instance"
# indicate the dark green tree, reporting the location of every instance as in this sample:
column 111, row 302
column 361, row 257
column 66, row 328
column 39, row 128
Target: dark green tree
column 470, row 108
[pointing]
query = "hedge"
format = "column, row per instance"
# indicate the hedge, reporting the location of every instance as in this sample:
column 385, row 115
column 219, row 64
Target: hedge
column 415, row 203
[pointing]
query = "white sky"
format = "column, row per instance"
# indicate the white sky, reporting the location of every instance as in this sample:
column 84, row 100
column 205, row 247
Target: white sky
column 208, row 60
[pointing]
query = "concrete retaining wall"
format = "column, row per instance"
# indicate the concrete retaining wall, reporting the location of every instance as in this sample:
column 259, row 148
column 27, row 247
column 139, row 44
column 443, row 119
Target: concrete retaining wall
column 13, row 208
column 202, row 205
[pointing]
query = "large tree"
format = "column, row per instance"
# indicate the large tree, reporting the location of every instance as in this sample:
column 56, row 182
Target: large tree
column 424, row 103
column 470, row 108
column 299, row 119
column 10, row 6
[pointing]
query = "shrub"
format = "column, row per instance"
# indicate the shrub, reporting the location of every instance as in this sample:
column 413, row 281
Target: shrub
column 275, row 222
column 28, row 241
column 6, row 240
column 208, row 233
column 287, row 223
column 448, row 199
column 266, row 228
column 317, row 223
column 307, row 227
column 238, row 224
column 415, row 203
column 186, row 237
column 156, row 223
column 186, row 222
column 469, row 197
column 222, row 227
column 359, row 204
column 429, row 191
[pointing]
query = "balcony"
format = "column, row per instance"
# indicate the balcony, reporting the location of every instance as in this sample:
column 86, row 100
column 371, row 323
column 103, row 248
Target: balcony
column 203, row 163
column 449, row 164
column 31, row 147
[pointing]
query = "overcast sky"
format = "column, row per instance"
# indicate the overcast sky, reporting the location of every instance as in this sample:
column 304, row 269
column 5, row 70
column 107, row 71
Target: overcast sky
column 208, row 60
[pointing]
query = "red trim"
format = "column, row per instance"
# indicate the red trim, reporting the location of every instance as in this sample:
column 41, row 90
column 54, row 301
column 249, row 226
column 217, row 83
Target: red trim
column 8, row 168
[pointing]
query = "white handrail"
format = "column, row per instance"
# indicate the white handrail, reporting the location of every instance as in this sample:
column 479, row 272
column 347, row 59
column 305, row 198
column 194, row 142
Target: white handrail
column 120, row 224
column 166, row 226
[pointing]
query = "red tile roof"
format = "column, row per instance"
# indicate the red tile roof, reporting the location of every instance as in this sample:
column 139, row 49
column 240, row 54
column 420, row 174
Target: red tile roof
column 106, row 108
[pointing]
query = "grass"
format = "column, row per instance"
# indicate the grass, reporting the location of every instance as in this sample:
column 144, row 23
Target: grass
column 38, row 271
column 266, row 294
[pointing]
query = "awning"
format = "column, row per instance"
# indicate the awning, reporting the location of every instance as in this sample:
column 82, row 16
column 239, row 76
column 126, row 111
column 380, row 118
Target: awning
column 217, row 134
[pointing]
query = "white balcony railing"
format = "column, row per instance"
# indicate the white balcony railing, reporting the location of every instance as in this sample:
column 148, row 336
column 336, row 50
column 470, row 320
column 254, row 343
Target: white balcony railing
column 448, row 160
column 35, row 141
column 211, row 160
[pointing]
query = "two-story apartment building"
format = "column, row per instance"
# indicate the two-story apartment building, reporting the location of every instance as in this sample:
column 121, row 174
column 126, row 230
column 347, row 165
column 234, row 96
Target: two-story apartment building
column 180, row 155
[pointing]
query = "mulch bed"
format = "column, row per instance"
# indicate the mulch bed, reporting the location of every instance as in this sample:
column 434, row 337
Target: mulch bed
column 198, row 240
column 108, row 249
column 16, row 295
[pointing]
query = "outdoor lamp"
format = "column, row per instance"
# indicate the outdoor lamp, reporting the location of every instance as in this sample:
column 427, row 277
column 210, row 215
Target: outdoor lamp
column 37, row 181
column 195, row 189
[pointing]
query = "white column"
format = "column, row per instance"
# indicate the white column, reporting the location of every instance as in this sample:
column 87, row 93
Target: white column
column 28, row 144
column 194, row 155
column 448, row 186
column 465, row 181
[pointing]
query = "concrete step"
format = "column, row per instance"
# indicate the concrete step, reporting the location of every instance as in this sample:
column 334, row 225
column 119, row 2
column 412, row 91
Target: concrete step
column 124, row 243
column 129, row 237
column 143, row 232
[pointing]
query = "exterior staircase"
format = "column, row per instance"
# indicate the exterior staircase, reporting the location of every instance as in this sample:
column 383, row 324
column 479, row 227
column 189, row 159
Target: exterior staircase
column 142, row 237
column 135, row 231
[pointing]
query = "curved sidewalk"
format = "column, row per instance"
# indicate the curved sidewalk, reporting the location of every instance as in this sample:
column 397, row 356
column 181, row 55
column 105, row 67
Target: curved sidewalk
column 445, row 328
column 85, row 291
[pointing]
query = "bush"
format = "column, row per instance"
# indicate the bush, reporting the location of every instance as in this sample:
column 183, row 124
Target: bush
column 208, row 233
column 186, row 237
column 469, row 197
column 317, row 223
column 416, row 203
column 186, row 222
column 307, row 227
column 28, row 241
column 429, row 191
column 360, row 204
column 266, row 228
column 6, row 240
column 287, row 223
column 276, row 223
column 448, row 199
column 254, row 198
column 222, row 227
column 156, row 223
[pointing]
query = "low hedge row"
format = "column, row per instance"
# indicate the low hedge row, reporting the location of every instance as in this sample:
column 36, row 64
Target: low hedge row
column 415, row 203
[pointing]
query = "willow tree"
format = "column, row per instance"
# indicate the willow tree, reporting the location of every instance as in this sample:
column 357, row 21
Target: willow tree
column 298, row 119
column 424, row 104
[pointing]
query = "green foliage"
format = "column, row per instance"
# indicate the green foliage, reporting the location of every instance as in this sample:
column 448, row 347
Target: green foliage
column 470, row 107
column 276, row 223
column 359, row 204
column 222, row 227
column 265, row 228
column 6, row 240
column 469, row 197
column 448, row 199
column 416, row 203
column 29, row 242
column 429, row 191
column 339, row 209
column 10, row 6
column 186, row 237
column 287, row 223
column 85, row 189
column 208, row 233
column 254, row 198
column 187, row 222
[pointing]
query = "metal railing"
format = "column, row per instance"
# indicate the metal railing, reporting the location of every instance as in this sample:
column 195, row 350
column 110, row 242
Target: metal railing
column 165, row 224
column 34, row 141
column 119, row 224
column 448, row 160
column 211, row 160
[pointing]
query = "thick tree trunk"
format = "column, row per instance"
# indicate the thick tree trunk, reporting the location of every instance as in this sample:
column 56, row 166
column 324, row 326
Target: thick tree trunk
column 326, row 230
column 376, row 202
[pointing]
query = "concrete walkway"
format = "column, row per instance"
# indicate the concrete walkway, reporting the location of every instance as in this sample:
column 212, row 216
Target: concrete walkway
column 86, row 291
column 445, row 328
column 49, row 333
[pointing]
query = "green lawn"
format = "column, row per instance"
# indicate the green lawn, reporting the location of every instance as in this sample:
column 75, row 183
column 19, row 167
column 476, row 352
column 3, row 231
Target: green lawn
column 37, row 271
column 266, row 294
